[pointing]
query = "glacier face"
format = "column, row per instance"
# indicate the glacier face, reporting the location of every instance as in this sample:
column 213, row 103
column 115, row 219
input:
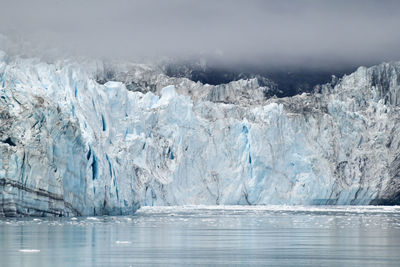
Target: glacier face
column 72, row 146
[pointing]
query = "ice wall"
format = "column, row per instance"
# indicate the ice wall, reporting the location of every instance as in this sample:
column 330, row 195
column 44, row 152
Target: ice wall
column 72, row 146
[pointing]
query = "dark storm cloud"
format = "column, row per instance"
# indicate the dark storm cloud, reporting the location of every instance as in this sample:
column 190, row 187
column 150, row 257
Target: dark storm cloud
column 298, row 32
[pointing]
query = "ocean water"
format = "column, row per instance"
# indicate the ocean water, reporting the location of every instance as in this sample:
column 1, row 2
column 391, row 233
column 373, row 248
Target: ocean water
column 209, row 235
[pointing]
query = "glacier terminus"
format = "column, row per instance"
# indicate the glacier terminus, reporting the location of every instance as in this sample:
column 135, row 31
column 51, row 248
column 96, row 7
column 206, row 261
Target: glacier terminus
column 75, row 142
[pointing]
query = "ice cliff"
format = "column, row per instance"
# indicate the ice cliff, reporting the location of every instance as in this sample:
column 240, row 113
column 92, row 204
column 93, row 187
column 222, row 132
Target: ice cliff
column 71, row 145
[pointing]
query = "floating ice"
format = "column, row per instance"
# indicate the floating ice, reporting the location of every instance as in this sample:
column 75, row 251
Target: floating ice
column 123, row 242
column 29, row 250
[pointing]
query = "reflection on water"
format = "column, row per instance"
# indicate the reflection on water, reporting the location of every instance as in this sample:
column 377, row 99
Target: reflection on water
column 267, row 235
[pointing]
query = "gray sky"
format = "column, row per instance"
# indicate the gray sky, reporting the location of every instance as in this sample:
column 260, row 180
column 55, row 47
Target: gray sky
column 283, row 32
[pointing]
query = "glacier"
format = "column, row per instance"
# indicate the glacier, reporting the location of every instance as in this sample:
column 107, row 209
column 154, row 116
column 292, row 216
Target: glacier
column 72, row 145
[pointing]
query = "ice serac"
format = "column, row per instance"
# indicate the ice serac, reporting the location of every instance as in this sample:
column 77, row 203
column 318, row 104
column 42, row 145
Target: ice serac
column 73, row 146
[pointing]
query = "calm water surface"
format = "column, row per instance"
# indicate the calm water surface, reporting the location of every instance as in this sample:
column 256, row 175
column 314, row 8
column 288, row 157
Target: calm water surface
column 228, row 235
